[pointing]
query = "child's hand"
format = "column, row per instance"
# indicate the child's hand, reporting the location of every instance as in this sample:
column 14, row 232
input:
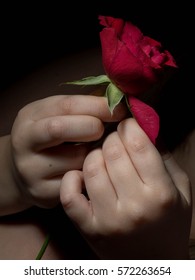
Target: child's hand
column 139, row 203
column 43, row 142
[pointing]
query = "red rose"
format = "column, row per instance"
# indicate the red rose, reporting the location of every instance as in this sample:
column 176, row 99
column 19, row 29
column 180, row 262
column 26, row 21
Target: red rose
column 132, row 61
column 133, row 64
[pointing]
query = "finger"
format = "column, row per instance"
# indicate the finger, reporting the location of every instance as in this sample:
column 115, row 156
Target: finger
column 179, row 177
column 56, row 161
column 54, row 131
column 75, row 204
column 46, row 193
column 98, row 185
column 122, row 172
column 76, row 105
column 144, row 156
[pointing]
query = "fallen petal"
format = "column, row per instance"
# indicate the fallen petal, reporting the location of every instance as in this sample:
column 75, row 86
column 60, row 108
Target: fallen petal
column 146, row 117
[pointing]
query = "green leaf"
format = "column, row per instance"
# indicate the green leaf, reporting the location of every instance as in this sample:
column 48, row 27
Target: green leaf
column 92, row 80
column 114, row 96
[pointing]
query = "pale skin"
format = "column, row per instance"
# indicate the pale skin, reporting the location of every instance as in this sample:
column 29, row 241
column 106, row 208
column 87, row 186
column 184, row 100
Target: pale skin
column 35, row 155
column 30, row 153
column 139, row 203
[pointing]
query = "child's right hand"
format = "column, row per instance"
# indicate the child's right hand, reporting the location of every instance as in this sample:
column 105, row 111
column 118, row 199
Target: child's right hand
column 138, row 203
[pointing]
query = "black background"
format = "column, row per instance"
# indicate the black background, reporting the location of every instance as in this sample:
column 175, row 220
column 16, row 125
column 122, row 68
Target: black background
column 34, row 33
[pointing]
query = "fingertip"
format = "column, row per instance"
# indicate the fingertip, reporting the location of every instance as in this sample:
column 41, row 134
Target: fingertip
column 126, row 123
column 132, row 135
column 74, row 203
column 71, row 183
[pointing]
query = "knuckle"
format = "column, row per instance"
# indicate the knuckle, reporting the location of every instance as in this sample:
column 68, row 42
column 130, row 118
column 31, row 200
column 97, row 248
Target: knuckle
column 132, row 216
column 166, row 199
column 137, row 143
column 67, row 104
column 112, row 152
column 91, row 167
column 54, row 129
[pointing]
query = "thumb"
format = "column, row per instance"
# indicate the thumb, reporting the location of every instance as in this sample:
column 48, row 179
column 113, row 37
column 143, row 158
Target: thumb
column 74, row 202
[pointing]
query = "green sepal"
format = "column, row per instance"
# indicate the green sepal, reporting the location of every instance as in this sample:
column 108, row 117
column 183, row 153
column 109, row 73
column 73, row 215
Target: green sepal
column 90, row 81
column 114, row 96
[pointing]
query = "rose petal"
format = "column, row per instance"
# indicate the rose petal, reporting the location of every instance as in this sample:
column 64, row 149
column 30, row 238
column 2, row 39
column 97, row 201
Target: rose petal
column 122, row 67
column 132, row 61
column 146, row 117
column 115, row 23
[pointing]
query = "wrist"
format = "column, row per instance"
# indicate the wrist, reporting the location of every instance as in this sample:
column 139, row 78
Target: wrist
column 12, row 199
